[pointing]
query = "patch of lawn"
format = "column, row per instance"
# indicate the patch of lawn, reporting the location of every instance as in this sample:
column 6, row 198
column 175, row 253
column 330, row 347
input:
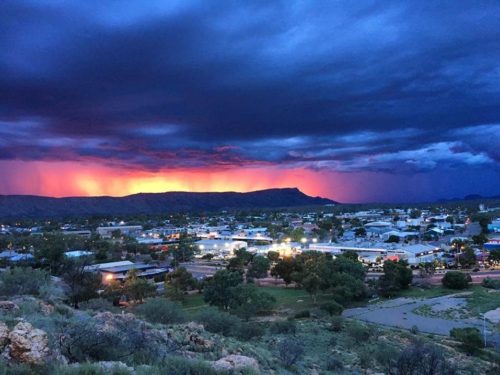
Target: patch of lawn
column 436, row 291
column 482, row 300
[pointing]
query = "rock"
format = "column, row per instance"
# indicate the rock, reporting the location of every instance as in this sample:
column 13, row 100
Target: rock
column 235, row 363
column 46, row 308
column 4, row 335
column 28, row 344
column 8, row 305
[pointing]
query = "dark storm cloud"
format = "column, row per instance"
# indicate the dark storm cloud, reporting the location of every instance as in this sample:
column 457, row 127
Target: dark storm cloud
column 345, row 86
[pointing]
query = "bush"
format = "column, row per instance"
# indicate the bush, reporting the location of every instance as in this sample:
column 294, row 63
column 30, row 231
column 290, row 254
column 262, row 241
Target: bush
column 456, row 280
column 161, row 310
column 290, row 351
column 284, row 327
column 183, row 366
column 302, row 314
column 470, row 339
column 423, row 359
column 21, row 281
column 358, row 332
column 336, row 323
column 414, row 329
column 334, row 364
column 491, row 283
column 248, row 331
column 332, row 308
column 218, row 322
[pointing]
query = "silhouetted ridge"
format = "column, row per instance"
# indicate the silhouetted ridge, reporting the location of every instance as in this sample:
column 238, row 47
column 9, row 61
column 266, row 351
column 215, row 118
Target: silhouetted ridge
column 29, row 206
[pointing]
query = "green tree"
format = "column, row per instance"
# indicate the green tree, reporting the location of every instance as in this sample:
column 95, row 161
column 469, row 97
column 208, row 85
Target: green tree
column 248, row 300
column 359, row 232
column 456, row 280
column 397, row 276
column 82, row 284
column 284, row 269
column 392, row 239
column 219, row 290
column 467, row 258
column 273, row 256
column 470, row 338
column 494, row 256
column 177, row 283
column 258, row 268
column 312, row 284
column 136, row 288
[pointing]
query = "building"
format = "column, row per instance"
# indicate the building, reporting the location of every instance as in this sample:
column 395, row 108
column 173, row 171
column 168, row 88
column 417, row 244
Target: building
column 128, row 230
column 118, row 270
column 78, row 253
column 219, row 247
column 11, row 256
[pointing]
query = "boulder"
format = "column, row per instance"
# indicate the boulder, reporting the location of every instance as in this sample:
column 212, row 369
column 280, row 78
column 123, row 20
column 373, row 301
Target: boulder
column 28, row 345
column 46, row 308
column 4, row 335
column 8, row 305
column 236, row 363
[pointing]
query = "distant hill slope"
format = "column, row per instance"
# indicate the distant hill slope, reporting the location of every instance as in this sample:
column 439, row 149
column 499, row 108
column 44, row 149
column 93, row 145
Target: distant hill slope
column 28, row 206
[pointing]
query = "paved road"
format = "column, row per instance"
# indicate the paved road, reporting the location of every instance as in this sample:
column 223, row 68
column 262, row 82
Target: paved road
column 399, row 313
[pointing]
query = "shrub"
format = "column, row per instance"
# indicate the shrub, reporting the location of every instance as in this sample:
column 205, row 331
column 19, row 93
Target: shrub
column 470, row 339
column 248, row 331
column 491, row 283
column 20, row 281
column 414, row 329
column 386, row 356
column 284, row 327
column 218, row 322
column 302, row 314
column 332, row 308
column 334, row 364
column 423, row 359
column 183, row 366
column 456, row 280
column 161, row 310
column 358, row 332
column 336, row 323
column 290, row 351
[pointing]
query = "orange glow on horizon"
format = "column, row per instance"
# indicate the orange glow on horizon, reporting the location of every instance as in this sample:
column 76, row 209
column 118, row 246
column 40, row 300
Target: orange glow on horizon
column 62, row 179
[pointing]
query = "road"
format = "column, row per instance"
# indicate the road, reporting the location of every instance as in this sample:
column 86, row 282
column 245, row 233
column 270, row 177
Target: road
column 399, row 313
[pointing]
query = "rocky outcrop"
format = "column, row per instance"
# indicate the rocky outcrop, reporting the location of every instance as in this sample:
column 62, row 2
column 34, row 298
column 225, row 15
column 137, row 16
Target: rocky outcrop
column 8, row 305
column 191, row 337
column 4, row 335
column 236, row 363
column 28, row 345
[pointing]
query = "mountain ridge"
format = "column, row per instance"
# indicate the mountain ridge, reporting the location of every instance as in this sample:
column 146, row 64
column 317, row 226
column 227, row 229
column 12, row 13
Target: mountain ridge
column 34, row 206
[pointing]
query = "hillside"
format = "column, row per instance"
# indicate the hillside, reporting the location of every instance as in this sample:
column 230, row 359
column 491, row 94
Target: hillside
column 27, row 206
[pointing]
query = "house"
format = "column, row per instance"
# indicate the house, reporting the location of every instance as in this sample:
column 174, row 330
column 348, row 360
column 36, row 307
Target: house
column 12, row 256
column 219, row 247
column 78, row 253
column 129, row 230
column 118, row 270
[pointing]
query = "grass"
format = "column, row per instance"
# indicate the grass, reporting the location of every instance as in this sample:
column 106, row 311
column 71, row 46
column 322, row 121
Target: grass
column 286, row 298
column 482, row 299
column 437, row 291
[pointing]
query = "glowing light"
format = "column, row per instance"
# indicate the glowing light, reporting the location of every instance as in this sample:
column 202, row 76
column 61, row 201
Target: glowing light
column 109, row 277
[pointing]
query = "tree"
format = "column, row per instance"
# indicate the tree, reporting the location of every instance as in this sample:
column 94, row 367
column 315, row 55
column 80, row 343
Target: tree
column 284, row 269
column 247, row 301
column 494, row 256
column 136, row 288
column 177, row 283
column 83, row 285
column 240, row 260
column 259, row 266
column 456, row 280
column 397, row 276
column 273, row 256
column 480, row 239
column 183, row 251
column 311, row 283
column 219, row 289
column 470, row 339
column 423, row 359
column 392, row 239
column 414, row 214
column 467, row 258
column 359, row 232
column 290, row 350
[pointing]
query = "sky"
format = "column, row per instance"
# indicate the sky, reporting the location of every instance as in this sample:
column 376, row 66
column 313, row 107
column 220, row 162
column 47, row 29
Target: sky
column 358, row 101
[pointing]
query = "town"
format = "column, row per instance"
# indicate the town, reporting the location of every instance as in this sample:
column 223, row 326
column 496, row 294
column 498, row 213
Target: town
column 269, row 268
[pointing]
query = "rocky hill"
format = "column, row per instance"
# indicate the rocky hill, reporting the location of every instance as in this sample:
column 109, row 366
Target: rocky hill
column 28, row 206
